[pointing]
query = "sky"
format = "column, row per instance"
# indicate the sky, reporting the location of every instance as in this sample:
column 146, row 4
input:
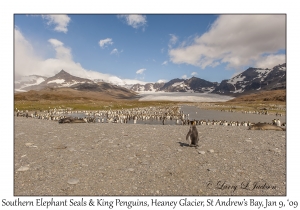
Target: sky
column 142, row 48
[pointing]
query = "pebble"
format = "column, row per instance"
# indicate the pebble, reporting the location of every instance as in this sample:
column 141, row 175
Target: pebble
column 19, row 134
column 212, row 169
column 61, row 147
column 29, row 144
column 73, row 181
column 23, row 168
column 275, row 150
column 72, row 149
column 211, row 151
column 201, row 152
column 130, row 169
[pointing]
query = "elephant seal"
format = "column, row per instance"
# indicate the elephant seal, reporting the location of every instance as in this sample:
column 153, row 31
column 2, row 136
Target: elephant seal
column 71, row 120
column 265, row 126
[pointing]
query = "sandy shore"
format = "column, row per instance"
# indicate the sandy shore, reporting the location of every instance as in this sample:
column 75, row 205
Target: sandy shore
column 137, row 159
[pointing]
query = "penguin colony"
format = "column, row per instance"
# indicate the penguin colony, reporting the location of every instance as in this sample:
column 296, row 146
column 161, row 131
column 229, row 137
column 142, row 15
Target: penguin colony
column 159, row 114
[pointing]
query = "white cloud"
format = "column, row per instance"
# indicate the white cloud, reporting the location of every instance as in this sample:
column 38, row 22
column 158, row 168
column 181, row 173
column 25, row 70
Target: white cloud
column 173, row 40
column 114, row 51
column 165, row 63
column 104, row 42
column 134, row 21
column 60, row 21
column 140, row 71
column 194, row 73
column 55, row 42
column 270, row 61
column 62, row 53
column 238, row 40
column 161, row 81
column 134, row 81
column 27, row 62
column 184, row 76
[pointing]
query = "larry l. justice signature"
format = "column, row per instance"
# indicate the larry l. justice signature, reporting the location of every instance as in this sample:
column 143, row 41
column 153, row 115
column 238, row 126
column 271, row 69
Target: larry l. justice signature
column 223, row 185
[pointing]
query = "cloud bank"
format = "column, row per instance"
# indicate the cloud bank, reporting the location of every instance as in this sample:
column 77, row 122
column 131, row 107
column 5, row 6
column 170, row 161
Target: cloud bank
column 27, row 62
column 236, row 40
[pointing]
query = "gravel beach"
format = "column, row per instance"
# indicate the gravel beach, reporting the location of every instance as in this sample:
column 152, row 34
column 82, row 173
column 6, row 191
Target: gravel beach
column 94, row 159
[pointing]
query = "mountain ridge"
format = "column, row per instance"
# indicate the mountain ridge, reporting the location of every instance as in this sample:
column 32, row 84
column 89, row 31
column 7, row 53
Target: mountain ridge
column 249, row 81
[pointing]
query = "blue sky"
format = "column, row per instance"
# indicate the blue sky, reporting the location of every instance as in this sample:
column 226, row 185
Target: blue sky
column 127, row 49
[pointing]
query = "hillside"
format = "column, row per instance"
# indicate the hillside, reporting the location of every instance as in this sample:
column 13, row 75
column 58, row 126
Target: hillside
column 272, row 95
column 73, row 94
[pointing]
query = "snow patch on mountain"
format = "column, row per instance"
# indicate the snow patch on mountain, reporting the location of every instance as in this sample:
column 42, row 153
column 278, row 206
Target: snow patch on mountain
column 58, row 81
column 236, row 79
column 282, row 68
column 181, row 84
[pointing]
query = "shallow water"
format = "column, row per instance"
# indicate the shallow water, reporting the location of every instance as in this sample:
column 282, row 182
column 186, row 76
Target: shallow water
column 202, row 114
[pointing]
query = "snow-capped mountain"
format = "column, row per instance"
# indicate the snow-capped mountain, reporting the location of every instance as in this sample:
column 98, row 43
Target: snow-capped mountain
column 193, row 84
column 64, row 79
column 254, row 79
column 151, row 87
column 61, row 79
column 251, row 80
column 27, row 81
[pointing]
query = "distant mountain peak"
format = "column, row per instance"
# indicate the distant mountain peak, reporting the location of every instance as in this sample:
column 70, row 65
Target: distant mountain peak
column 62, row 73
